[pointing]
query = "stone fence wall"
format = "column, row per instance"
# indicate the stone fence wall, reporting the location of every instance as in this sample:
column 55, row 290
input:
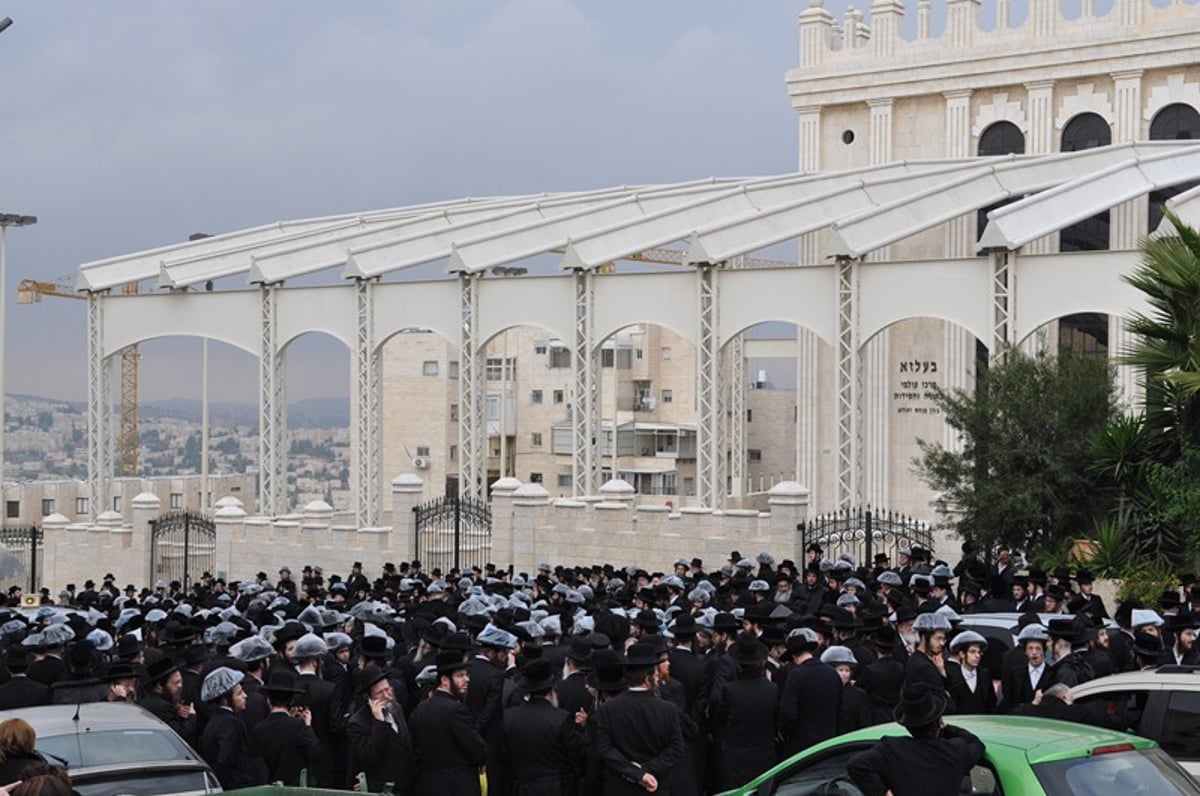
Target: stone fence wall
column 527, row 527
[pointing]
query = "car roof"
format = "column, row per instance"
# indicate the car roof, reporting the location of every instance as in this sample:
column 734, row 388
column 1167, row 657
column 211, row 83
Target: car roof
column 92, row 716
column 1037, row 740
column 1149, row 679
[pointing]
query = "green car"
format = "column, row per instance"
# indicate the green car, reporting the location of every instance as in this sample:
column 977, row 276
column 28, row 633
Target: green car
column 1024, row 757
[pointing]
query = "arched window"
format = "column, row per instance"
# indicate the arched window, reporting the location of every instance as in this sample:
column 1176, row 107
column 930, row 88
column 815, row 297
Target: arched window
column 1086, row 131
column 1000, row 138
column 1177, row 122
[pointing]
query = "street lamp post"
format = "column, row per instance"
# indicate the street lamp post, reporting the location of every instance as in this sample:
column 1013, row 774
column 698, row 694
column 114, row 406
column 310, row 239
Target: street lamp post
column 6, row 220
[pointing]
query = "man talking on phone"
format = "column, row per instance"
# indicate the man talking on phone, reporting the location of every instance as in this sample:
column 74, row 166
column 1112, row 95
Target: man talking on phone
column 932, row 762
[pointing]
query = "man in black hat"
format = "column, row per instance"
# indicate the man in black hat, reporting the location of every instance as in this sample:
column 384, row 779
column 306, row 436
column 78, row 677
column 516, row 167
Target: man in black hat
column 744, row 718
column 1183, row 649
column 450, row 751
column 357, row 581
column 164, row 698
column 284, row 739
column 883, row 677
column 811, row 699
column 639, row 738
column 932, row 762
column 379, row 741
column 540, row 746
column 718, row 667
column 572, row 693
column 1093, row 604
column 1069, row 648
column 20, row 691
column 687, row 666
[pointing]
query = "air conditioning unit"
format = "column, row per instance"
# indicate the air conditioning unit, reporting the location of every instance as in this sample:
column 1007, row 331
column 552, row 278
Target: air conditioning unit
column 421, row 462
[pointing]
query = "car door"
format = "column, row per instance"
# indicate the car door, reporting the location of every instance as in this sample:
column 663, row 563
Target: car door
column 1133, row 705
column 1179, row 732
column 825, row 775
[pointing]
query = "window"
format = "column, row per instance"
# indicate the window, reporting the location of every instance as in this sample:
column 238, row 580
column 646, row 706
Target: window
column 422, row 450
column 453, row 453
column 176, row 500
column 643, row 396
column 12, row 509
column 749, row 415
column 1177, row 122
column 453, row 413
column 565, row 481
column 452, row 369
column 667, row 396
column 535, row 478
column 560, row 357
column 116, row 503
column 1181, row 726
column 535, row 397
column 539, row 346
column 666, row 353
column 1000, row 138
column 498, row 369
column 622, row 356
column 429, row 367
column 47, row 506
column 754, row 455
column 1084, row 333
column 637, row 352
column 535, row 439
column 1130, row 705
column 559, row 396
column 824, row 775
column 1086, row 131
column 81, row 505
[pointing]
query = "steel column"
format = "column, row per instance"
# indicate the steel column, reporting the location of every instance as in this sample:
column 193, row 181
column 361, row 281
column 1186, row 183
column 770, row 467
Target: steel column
column 98, row 474
column 849, row 385
column 470, row 403
column 366, row 400
column 709, row 453
column 272, row 413
column 1004, row 331
column 737, row 404
column 585, row 452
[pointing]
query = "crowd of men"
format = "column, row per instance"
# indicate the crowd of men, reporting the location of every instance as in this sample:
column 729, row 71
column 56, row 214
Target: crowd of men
column 574, row 680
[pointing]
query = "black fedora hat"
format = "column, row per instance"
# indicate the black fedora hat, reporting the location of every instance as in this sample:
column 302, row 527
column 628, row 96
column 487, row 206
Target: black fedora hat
column 607, row 672
column 641, row 656
column 370, row 675
column 885, row 637
column 1066, row 629
column 537, row 675
column 748, row 651
column 120, row 671
column 374, row 648
column 920, row 705
column 726, row 623
column 282, row 682
column 450, row 661
column 128, row 646
column 161, row 669
column 580, row 650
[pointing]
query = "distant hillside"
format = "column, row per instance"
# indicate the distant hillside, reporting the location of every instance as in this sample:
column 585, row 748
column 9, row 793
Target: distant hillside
column 308, row 413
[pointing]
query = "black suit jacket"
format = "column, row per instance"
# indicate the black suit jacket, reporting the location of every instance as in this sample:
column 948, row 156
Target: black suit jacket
column 966, row 701
column 883, row 680
column 328, row 724
column 809, row 706
column 688, row 668
column 450, row 750
column 916, row 766
column 485, row 693
column 636, row 732
column 21, row 692
column 540, row 750
column 383, row 754
column 743, row 726
column 573, row 694
column 48, row 670
column 1016, row 688
column 225, row 747
column 286, row 746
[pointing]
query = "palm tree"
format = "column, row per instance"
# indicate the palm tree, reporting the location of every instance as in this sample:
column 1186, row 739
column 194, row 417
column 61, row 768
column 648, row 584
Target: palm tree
column 1168, row 336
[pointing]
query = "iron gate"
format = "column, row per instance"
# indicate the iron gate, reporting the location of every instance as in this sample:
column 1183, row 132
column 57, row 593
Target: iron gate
column 182, row 544
column 864, row 532
column 453, row 531
column 23, row 545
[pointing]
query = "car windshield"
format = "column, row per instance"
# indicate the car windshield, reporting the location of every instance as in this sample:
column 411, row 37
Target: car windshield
column 147, row 783
column 113, row 747
column 1144, row 772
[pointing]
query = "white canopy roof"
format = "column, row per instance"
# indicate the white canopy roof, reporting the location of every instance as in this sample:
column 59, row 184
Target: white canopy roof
column 862, row 209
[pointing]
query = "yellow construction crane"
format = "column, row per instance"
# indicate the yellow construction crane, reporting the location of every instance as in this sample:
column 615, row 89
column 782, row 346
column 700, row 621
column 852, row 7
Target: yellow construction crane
column 30, row 291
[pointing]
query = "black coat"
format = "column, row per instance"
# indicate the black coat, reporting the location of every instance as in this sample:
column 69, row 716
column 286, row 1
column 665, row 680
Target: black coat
column 636, row 732
column 226, row 749
column 382, row 753
column 540, row 748
column 688, row 668
column 1074, row 669
column 573, row 694
column 328, row 724
column 809, row 706
column 287, row 746
column 916, row 766
column 485, row 694
column 1052, row 708
column 450, row 750
column 21, row 692
column 13, row 767
column 48, row 670
column 856, row 710
column 744, row 730
column 966, row 701
column 75, row 692
column 167, row 713
column 1016, row 688
column 883, row 680
column 920, row 669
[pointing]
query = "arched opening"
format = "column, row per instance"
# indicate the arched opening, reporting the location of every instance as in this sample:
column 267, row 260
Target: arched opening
column 1176, row 122
column 648, row 411
column 1000, row 138
column 1086, row 131
column 419, row 372
column 318, row 419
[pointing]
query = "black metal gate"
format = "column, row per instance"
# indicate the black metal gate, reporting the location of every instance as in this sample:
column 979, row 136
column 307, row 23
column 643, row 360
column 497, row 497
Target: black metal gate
column 453, row 531
column 864, row 532
column 182, row 545
column 23, row 544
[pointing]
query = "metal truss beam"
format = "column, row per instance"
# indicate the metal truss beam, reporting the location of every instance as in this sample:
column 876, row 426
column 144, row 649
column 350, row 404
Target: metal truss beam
column 849, row 385
column 1004, row 321
column 470, row 399
column 367, row 505
column 98, row 466
column 710, row 454
column 585, row 461
column 272, row 412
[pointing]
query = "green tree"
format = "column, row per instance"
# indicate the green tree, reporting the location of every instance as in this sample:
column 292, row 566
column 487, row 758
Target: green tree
column 1022, row 476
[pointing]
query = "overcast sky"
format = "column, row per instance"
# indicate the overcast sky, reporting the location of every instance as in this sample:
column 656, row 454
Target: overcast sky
column 133, row 124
